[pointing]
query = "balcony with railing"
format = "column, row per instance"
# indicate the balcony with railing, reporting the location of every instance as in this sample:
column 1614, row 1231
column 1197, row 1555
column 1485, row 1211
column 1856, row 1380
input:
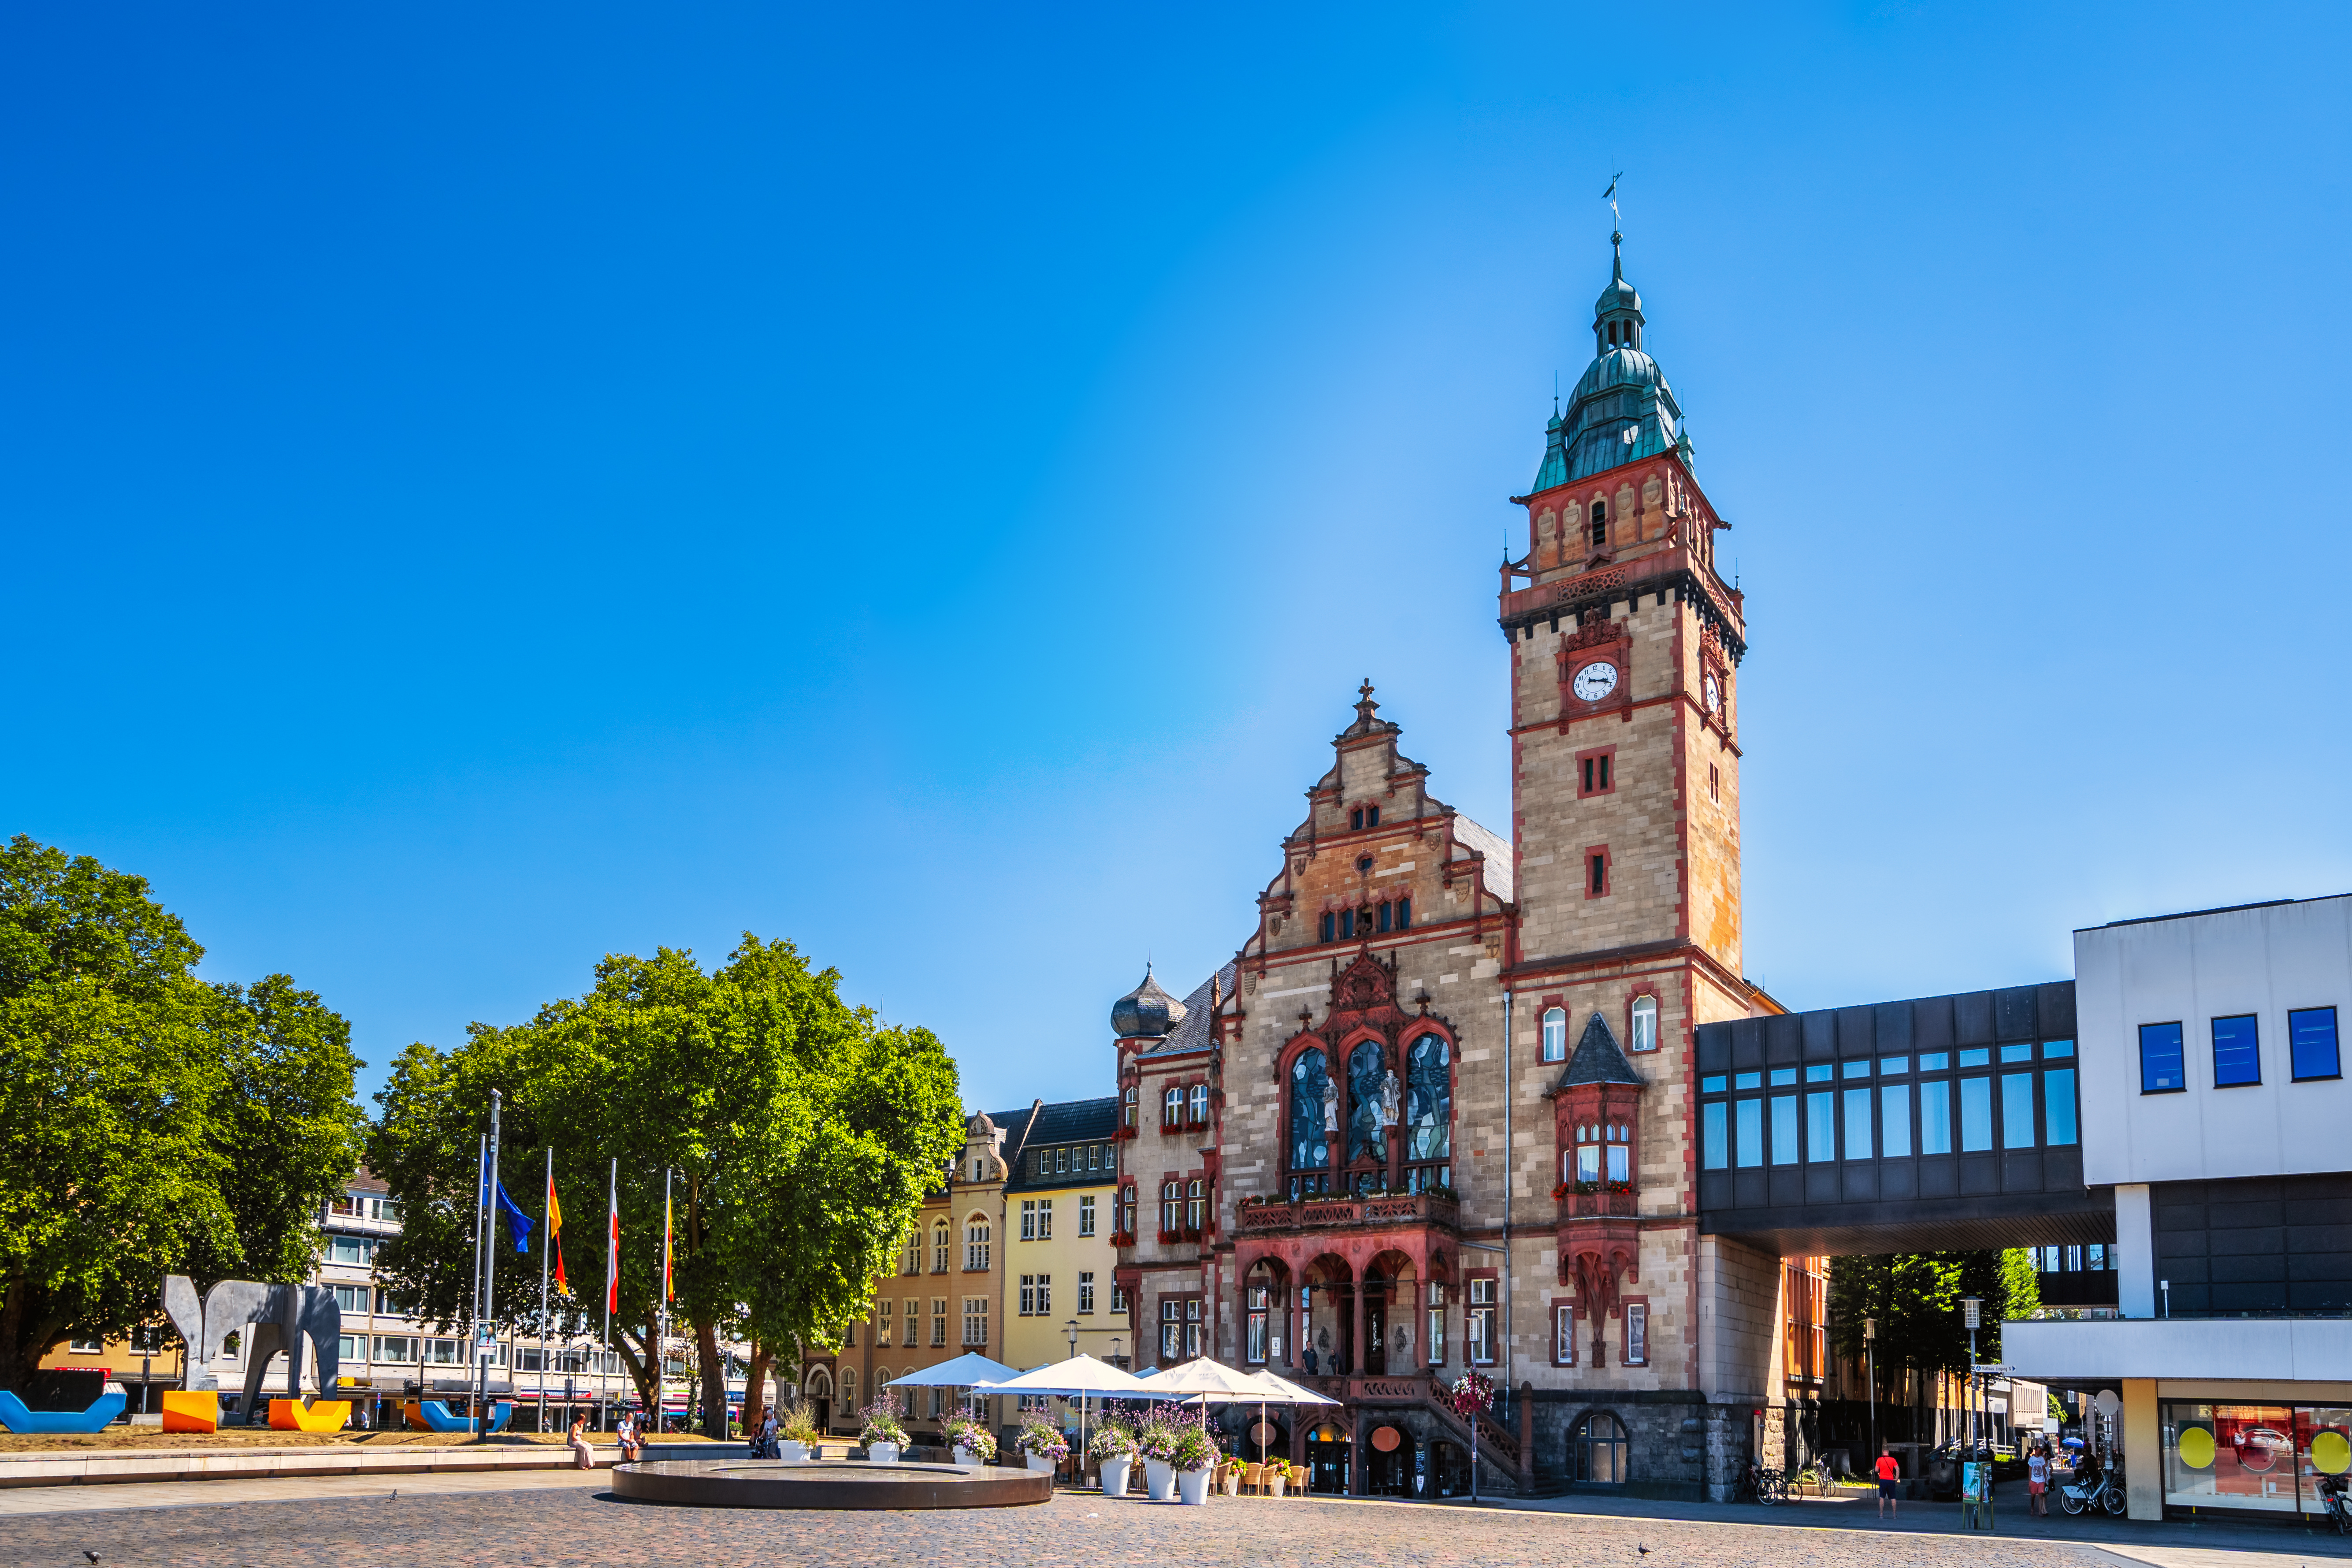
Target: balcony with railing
column 1342, row 1213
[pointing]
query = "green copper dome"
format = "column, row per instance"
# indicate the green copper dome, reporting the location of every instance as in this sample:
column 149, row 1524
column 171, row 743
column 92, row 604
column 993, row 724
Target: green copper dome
column 1622, row 409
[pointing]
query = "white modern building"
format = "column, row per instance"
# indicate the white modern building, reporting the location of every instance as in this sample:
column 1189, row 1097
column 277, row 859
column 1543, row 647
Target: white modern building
column 2216, row 1108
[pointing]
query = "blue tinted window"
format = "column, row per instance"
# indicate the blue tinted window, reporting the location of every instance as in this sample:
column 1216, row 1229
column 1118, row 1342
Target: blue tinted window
column 1820, row 1072
column 2311, row 1039
column 2237, row 1058
column 1821, row 1127
column 2058, row 1106
column 1936, row 1116
column 2017, row 1110
column 1715, row 1085
column 1856, row 1069
column 1894, row 1119
column 1893, row 1064
column 1934, row 1061
column 1981, row 1057
column 1783, row 1075
column 2057, row 1047
column 1751, row 1131
column 1857, row 1123
column 2162, row 1069
column 1784, row 1130
column 1975, row 1114
column 1715, row 1150
column 1747, row 1080
column 2017, row 1053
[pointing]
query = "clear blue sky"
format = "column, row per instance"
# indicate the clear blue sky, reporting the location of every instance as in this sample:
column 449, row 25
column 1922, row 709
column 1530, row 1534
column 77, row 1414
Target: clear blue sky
column 484, row 487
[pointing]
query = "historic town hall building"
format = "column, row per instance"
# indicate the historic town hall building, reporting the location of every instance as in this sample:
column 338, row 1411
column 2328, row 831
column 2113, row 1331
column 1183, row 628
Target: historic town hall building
column 1439, row 1112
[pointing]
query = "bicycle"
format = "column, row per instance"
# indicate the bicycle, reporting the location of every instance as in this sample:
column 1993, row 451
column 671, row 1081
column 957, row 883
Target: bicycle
column 1762, row 1487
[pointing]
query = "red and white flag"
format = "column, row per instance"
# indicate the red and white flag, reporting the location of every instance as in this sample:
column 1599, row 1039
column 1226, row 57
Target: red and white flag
column 612, row 1245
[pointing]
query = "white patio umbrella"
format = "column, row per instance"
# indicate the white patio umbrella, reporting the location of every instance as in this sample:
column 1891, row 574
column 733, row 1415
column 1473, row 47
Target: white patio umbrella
column 1208, row 1381
column 965, row 1370
column 1080, row 1377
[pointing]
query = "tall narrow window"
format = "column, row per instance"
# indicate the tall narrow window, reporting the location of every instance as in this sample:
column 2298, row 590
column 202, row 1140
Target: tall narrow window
column 1715, row 1146
column 1126, row 1107
column 1935, row 1117
column 1254, row 1349
column 1309, row 1155
column 1371, row 816
column 1356, row 818
column 1028, row 1219
column 1429, row 1111
column 975, row 1243
column 1596, row 873
column 1714, row 783
column 2017, row 1110
column 1171, row 1107
column 1196, row 1207
column 975, row 1321
column 940, row 1246
column 1087, row 1215
column 1383, row 921
column 1637, row 1335
column 1404, row 914
column 1857, row 1123
column 1481, row 1321
column 1555, row 1034
column 2237, row 1058
column 1199, row 1105
column 913, row 1304
column 1329, row 923
column 1563, row 1334
column 1645, row 1023
column 1894, row 1120
column 1975, row 1114
column 1820, row 1126
column 1085, row 1291
column 2058, row 1107
column 1434, row 1333
column 1171, row 1210
column 2162, row 1069
column 1045, row 1219
column 1365, row 1070
column 1598, row 524
column 1044, row 1295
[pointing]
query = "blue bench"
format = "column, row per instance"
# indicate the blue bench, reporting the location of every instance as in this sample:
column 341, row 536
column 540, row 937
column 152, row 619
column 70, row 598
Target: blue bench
column 96, row 1418
column 436, row 1415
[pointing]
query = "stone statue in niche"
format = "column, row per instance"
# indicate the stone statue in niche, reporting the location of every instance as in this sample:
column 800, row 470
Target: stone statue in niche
column 1330, row 1105
column 1391, row 1098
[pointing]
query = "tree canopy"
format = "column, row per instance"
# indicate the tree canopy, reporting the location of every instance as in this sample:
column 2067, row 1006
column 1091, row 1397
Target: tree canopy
column 799, row 1136
column 1915, row 1298
column 150, row 1123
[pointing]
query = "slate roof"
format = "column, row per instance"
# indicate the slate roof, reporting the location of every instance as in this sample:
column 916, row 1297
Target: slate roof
column 1500, row 880
column 1067, row 1121
column 1193, row 1033
column 1598, row 1057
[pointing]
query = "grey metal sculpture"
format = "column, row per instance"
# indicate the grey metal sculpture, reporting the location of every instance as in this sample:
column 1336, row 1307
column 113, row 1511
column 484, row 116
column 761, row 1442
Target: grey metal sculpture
column 278, row 1315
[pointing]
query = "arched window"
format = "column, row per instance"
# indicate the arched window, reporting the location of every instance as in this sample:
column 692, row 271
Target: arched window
column 1308, row 1152
column 1645, row 1023
column 1196, row 1207
column 1364, row 1140
column 820, row 1383
column 1555, row 1034
column 1171, row 1209
column 1171, row 1107
column 912, row 1262
column 882, row 1388
column 1199, row 1105
column 939, row 1246
column 1429, row 1112
column 1600, row 520
column 849, row 1386
column 975, row 1242
column 1598, row 1451
column 1619, row 1149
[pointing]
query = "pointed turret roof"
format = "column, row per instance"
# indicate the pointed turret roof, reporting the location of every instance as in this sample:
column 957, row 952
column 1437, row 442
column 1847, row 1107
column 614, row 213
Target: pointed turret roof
column 1598, row 1058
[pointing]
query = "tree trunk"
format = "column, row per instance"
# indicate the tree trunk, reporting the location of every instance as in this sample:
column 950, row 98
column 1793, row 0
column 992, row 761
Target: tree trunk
column 645, row 1370
column 714, row 1380
column 755, row 1381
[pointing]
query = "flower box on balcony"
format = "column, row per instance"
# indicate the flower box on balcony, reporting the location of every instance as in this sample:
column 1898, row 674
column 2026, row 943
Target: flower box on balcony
column 1122, row 1238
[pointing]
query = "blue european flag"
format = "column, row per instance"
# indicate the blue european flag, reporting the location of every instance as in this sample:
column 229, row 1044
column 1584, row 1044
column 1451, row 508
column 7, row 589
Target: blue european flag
column 518, row 1222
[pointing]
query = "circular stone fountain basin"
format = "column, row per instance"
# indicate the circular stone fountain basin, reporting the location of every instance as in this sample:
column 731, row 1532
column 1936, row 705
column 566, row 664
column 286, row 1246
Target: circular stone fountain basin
column 827, row 1483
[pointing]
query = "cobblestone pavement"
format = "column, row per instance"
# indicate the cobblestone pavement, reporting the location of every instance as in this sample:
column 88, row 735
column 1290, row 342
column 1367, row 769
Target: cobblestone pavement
column 582, row 1524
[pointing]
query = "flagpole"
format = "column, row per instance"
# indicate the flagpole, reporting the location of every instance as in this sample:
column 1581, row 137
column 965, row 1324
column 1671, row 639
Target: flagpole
column 481, row 1208
column 490, row 1288
column 546, row 1244
column 611, row 1274
column 661, row 1347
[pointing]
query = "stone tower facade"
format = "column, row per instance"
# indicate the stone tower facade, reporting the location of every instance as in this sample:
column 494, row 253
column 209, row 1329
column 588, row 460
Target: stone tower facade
column 1438, row 1115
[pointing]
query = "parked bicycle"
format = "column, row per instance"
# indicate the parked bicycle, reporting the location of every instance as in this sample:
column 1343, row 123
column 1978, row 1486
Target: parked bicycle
column 2105, row 1490
column 1762, row 1486
column 2339, row 1509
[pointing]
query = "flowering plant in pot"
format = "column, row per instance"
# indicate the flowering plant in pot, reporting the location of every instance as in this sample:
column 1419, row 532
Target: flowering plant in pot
column 1043, row 1445
column 1155, row 1440
column 973, row 1442
column 1112, row 1448
column 884, row 1439
column 796, row 1429
column 1194, row 1455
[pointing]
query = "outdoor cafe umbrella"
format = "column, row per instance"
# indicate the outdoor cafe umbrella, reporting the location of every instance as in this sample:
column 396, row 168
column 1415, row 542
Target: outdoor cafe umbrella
column 1078, row 1377
column 1212, row 1381
column 965, row 1370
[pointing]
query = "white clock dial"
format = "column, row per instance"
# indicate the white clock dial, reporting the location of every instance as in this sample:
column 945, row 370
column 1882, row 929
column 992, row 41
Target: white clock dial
column 1714, row 694
column 1594, row 681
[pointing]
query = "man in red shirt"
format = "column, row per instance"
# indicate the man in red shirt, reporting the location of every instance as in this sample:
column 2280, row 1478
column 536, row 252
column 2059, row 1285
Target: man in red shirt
column 1890, row 1475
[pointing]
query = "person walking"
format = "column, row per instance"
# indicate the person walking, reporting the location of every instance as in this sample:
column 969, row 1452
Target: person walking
column 582, row 1457
column 2037, row 1479
column 1890, row 1475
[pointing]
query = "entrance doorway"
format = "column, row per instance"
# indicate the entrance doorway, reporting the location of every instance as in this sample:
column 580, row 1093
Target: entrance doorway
column 1598, row 1451
column 1328, row 1452
column 1389, row 1471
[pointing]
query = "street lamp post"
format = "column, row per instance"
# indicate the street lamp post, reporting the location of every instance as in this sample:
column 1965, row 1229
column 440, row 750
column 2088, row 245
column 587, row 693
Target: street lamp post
column 1869, row 1354
column 1078, row 1459
column 1970, row 1306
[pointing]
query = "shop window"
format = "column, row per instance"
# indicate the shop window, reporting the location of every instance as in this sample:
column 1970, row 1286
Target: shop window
column 2162, row 1063
column 2311, row 1044
column 2237, row 1054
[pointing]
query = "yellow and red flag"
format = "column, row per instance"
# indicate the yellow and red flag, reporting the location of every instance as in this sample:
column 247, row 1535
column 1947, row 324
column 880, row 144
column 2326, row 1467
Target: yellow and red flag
column 613, row 1246
column 668, row 1294
column 555, row 1235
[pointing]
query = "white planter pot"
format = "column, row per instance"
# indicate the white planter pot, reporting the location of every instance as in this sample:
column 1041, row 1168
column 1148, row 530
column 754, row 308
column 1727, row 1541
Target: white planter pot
column 1192, row 1487
column 1114, row 1476
column 1158, row 1479
column 794, row 1453
column 882, row 1453
column 1233, row 1482
column 1038, row 1464
column 1276, row 1483
column 964, row 1456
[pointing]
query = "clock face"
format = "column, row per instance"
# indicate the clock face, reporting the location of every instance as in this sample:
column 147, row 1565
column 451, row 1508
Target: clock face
column 1594, row 681
column 1714, row 694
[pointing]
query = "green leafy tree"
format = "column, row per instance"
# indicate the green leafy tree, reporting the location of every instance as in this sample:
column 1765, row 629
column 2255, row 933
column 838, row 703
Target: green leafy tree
column 149, row 1124
column 1915, row 1299
column 798, row 1138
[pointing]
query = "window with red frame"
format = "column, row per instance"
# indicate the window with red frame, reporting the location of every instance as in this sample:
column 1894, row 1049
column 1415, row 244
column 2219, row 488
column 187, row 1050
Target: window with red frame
column 1596, row 871
column 1197, row 1107
column 1563, row 1333
column 1172, row 1109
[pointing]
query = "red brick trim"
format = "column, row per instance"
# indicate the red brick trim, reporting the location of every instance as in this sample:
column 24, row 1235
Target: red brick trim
column 1596, row 771
column 1585, row 863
